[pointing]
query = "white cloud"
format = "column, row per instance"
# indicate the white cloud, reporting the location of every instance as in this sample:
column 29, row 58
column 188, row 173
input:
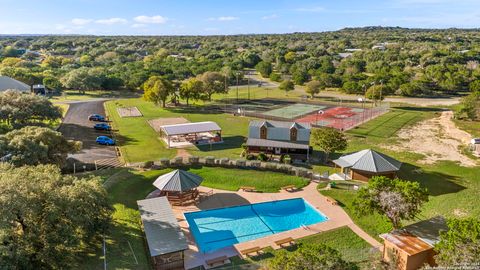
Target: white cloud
column 223, row 18
column 269, row 17
column 138, row 25
column 150, row 19
column 111, row 21
column 311, row 9
column 80, row 21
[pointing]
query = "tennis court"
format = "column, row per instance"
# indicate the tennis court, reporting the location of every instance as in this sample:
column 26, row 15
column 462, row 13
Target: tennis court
column 295, row 110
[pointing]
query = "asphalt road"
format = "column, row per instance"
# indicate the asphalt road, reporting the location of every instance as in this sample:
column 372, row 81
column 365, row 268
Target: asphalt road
column 76, row 126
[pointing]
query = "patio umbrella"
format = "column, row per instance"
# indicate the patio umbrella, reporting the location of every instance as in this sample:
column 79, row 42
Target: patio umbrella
column 178, row 181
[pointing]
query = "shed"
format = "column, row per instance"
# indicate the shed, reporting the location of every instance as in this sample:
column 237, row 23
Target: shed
column 364, row 164
column 165, row 239
column 413, row 244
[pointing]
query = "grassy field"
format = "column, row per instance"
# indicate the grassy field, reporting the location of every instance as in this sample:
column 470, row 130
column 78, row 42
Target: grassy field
column 74, row 95
column 351, row 247
column 469, row 126
column 452, row 188
column 139, row 142
column 233, row 179
column 126, row 186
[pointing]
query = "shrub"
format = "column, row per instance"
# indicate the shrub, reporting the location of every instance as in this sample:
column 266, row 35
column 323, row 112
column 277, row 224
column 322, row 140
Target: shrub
column 250, row 157
column 262, row 157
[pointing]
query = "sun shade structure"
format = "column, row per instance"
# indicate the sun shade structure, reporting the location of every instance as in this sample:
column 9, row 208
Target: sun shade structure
column 180, row 187
column 364, row 164
column 7, row 83
column 165, row 239
column 192, row 133
column 190, row 128
column 178, row 181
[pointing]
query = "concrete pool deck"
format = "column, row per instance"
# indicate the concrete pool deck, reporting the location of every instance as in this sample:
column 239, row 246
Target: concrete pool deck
column 221, row 198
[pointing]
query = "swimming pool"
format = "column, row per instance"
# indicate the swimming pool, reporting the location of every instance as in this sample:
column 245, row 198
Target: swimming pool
column 223, row 227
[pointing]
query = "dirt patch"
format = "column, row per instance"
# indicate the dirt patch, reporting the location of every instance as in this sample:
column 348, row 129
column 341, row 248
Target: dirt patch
column 437, row 139
column 129, row 112
column 157, row 123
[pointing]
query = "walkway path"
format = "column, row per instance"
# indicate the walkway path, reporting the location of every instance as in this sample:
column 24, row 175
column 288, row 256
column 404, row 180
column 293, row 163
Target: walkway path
column 220, row 198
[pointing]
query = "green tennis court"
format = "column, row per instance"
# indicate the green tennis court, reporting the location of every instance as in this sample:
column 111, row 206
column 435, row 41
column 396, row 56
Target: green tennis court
column 295, row 110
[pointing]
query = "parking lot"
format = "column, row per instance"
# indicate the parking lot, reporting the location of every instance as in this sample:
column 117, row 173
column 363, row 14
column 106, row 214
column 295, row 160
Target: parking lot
column 76, row 126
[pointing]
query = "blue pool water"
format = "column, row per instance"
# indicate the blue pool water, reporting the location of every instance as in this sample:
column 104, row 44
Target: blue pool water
column 223, row 227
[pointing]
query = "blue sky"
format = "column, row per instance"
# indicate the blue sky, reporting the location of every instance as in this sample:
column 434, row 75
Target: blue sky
column 208, row 17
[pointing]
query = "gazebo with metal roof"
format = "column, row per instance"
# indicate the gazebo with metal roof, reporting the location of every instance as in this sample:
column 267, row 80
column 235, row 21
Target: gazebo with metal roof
column 364, row 164
column 195, row 133
column 179, row 186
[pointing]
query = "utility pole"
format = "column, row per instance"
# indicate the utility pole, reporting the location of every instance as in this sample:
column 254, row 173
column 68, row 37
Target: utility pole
column 238, row 74
column 248, row 86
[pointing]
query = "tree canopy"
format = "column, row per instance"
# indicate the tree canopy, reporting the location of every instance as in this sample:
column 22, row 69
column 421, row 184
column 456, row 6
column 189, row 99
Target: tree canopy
column 18, row 109
column 157, row 90
column 36, row 145
column 329, row 140
column 395, row 199
column 310, row 256
column 460, row 245
column 46, row 218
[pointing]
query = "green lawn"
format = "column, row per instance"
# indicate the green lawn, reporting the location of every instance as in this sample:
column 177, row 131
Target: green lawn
column 452, row 188
column 139, row 142
column 469, row 126
column 233, row 179
column 126, row 186
column 351, row 247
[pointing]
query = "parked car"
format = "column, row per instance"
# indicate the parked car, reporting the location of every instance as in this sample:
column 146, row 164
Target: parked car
column 96, row 117
column 104, row 140
column 102, row 126
column 476, row 141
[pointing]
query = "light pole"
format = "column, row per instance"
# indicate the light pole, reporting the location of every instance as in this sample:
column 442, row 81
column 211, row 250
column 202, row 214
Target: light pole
column 248, row 86
column 316, row 118
column 238, row 74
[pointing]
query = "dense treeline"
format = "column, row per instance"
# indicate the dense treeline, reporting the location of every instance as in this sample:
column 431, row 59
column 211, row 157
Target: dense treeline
column 399, row 61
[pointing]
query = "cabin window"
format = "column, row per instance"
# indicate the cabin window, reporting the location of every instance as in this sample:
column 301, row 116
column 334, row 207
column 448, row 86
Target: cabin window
column 263, row 132
column 293, row 134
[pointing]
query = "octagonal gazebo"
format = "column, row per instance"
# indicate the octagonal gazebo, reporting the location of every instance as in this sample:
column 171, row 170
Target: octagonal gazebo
column 179, row 186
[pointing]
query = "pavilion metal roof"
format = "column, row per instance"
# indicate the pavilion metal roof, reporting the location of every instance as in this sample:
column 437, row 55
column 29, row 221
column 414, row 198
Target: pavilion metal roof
column 162, row 231
column 278, row 144
column 178, row 180
column 7, row 83
column 279, row 124
column 370, row 161
column 190, row 128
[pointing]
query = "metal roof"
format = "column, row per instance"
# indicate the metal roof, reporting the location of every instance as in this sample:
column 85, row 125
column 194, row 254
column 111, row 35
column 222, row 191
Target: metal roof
column 178, row 181
column 419, row 236
column 279, row 144
column 7, row 83
column 189, row 128
column 279, row 124
column 370, row 161
column 162, row 231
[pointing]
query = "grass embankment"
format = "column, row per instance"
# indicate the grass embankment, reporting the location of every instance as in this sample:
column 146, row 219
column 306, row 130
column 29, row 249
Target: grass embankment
column 139, row 142
column 452, row 188
column 351, row 247
column 126, row 186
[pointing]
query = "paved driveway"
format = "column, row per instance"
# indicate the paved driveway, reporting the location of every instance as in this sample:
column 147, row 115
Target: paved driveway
column 76, row 126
